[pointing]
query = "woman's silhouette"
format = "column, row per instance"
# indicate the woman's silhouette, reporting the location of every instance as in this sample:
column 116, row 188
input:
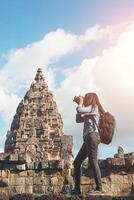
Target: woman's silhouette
column 89, row 110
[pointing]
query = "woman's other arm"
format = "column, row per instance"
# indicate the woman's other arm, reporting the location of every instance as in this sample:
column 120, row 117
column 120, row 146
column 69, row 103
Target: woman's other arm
column 86, row 110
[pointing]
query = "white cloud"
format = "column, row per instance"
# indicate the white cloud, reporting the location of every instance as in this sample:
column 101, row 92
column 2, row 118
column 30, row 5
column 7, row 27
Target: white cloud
column 111, row 76
column 22, row 63
column 8, row 104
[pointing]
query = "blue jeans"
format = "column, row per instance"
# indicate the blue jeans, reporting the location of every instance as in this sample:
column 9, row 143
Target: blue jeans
column 89, row 149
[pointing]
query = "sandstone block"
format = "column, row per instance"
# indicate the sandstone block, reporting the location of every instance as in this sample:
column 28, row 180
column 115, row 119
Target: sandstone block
column 57, row 189
column 4, row 190
column 125, row 189
column 17, row 190
column 43, row 189
column 21, row 167
column 30, row 165
column 28, row 181
column 70, row 180
column 13, row 157
column 85, row 180
column 127, row 179
column 86, row 188
column 23, row 174
column 39, row 180
column 37, row 189
column 31, row 173
column 54, row 181
column 29, row 189
column 116, row 179
column 16, row 180
column 5, row 173
column 115, row 189
column 106, row 187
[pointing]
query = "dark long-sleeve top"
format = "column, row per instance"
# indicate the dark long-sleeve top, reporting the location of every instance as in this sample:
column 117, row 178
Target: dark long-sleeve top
column 89, row 112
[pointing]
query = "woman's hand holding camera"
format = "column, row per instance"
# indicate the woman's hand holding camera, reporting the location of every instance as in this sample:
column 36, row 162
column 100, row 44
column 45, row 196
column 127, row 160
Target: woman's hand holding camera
column 78, row 100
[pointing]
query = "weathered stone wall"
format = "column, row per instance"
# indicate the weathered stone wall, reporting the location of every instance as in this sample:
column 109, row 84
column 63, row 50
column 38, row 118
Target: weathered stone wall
column 30, row 181
column 117, row 175
column 38, row 154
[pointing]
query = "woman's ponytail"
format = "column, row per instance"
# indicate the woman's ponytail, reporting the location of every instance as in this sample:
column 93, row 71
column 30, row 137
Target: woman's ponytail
column 101, row 109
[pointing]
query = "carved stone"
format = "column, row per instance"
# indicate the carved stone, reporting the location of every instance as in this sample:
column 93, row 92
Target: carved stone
column 37, row 128
column 37, row 151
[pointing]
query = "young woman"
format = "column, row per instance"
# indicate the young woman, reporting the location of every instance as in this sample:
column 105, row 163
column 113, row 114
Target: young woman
column 89, row 109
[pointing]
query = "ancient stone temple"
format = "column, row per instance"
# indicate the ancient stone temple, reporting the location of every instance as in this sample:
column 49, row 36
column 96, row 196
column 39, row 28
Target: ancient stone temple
column 36, row 141
column 36, row 133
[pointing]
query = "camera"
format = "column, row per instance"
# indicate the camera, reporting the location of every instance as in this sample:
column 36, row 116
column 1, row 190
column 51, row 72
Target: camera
column 77, row 99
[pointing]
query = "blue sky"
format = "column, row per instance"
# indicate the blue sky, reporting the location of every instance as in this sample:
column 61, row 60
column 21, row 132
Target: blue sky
column 71, row 40
column 26, row 21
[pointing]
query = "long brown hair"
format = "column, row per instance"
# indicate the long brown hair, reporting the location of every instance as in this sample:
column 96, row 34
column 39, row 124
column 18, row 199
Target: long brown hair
column 92, row 99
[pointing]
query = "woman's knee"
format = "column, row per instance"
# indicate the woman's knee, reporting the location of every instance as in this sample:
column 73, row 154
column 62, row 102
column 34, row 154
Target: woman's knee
column 93, row 160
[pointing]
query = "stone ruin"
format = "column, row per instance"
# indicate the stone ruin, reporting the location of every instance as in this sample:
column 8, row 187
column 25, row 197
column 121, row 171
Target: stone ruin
column 38, row 155
column 36, row 133
column 117, row 175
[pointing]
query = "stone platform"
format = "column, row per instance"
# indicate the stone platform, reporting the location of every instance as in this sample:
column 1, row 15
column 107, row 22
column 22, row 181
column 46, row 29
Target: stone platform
column 117, row 175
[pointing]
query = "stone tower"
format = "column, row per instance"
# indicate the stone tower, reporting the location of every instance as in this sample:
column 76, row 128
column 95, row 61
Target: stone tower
column 36, row 133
